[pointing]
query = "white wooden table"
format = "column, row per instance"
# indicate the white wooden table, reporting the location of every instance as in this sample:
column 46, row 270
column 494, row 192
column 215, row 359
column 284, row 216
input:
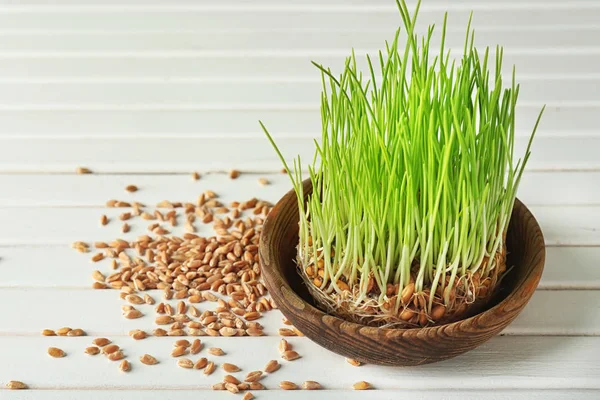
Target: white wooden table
column 145, row 91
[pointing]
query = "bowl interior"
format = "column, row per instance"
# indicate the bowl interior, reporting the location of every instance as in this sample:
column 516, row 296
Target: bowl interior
column 514, row 276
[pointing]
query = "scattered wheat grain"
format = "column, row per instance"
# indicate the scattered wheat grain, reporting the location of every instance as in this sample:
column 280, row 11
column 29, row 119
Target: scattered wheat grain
column 210, row 368
column 353, row 362
column 272, row 366
column 216, row 351
column 201, row 363
column 287, row 385
column 76, row 332
column 253, row 376
column 362, row 385
column 125, row 366
column 116, row 356
column 231, row 388
column 185, row 363
column 83, row 170
column 56, row 352
column 101, row 342
column 16, row 385
column 290, row 355
column 148, row 359
column 92, row 350
column 230, row 367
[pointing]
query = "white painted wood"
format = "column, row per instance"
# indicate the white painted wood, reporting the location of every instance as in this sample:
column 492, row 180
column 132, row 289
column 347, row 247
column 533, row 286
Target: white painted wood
column 536, row 188
column 286, row 17
column 274, row 64
column 157, row 394
column 95, row 189
column 184, row 153
column 233, row 118
column 98, row 312
column 338, row 3
column 540, row 363
column 59, row 265
column 360, row 37
column 571, row 268
column 256, row 93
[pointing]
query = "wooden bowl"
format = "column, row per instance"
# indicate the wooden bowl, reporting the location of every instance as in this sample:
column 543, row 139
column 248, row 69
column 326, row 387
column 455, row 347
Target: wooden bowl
column 526, row 252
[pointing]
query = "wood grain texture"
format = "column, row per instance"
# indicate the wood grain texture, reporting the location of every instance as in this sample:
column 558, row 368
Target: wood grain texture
column 548, row 188
column 525, row 244
column 283, row 17
column 360, row 37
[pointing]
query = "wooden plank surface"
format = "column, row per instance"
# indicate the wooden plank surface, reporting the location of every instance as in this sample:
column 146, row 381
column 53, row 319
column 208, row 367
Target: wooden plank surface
column 360, row 37
column 282, row 17
column 537, row 188
column 157, row 394
column 255, row 92
column 147, row 154
column 207, row 121
column 539, row 363
column 245, row 65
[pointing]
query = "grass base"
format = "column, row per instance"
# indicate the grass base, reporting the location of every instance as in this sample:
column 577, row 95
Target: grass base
column 405, row 308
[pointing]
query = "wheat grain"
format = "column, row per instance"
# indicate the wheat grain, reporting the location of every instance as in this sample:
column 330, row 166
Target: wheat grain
column 109, row 349
column 253, row 376
column 201, row 363
column 227, row 367
column 101, row 342
column 272, row 366
column 287, row 385
column 311, row 385
column 216, row 351
column 362, row 385
column 284, row 346
column 16, row 385
column 125, row 366
column 148, row 359
column 179, row 351
column 353, row 362
column 231, row 387
column 56, row 352
column 210, row 368
column 185, row 363
column 116, row 356
column 290, row 355
column 92, row 350
column 83, row 171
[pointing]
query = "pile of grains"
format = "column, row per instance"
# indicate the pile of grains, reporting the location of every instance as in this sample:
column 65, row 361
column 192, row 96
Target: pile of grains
column 221, row 271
